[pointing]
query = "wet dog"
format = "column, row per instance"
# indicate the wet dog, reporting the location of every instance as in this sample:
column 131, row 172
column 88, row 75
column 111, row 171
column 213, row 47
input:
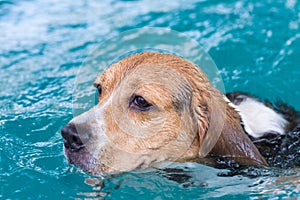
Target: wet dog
column 155, row 108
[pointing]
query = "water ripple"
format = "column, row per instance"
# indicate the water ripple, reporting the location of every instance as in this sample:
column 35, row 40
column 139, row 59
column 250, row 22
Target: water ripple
column 43, row 44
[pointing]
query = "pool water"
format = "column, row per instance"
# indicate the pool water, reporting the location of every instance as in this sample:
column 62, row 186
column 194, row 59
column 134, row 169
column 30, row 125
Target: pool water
column 43, row 44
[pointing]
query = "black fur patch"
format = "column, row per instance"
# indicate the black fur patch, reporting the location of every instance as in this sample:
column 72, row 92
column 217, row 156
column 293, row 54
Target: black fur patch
column 279, row 150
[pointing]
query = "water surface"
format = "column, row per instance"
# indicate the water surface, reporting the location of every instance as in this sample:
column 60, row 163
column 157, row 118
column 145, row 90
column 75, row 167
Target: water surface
column 254, row 44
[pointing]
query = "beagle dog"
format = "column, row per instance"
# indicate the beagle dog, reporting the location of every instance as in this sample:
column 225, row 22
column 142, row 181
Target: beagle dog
column 155, row 108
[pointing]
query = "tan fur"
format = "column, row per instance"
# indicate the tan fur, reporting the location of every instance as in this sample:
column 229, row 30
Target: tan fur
column 189, row 118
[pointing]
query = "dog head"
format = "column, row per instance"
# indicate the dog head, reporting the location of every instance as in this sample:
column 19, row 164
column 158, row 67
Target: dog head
column 153, row 108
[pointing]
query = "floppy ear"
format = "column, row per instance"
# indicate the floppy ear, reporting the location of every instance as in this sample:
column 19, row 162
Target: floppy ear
column 220, row 131
column 210, row 119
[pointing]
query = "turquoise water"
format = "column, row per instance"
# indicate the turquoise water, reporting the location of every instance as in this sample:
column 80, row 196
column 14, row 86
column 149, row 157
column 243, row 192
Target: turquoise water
column 254, row 44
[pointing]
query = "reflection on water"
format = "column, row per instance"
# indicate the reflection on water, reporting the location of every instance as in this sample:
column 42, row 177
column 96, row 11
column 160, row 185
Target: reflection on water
column 194, row 181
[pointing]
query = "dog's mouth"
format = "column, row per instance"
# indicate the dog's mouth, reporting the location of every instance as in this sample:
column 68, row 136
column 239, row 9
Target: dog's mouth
column 91, row 164
column 84, row 160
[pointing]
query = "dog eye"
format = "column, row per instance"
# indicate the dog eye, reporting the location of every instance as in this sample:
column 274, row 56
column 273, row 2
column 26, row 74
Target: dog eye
column 140, row 103
column 99, row 88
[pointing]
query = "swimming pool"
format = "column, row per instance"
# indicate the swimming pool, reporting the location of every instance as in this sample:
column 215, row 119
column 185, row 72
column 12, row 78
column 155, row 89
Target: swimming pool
column 43, row 45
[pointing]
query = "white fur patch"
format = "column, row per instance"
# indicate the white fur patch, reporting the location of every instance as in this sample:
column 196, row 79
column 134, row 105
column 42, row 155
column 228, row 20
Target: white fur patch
column 259, row 119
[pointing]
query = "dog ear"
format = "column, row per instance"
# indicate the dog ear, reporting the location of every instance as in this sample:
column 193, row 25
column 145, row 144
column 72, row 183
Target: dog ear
column 210, row 120
column 220, row 131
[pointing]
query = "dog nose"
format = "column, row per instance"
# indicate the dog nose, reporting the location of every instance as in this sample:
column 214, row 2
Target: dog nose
column 71, row 137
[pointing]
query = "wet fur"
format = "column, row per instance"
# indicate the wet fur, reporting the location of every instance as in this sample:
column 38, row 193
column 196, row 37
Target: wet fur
column 190, row 118
column 280, row 150
column 286, row 111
